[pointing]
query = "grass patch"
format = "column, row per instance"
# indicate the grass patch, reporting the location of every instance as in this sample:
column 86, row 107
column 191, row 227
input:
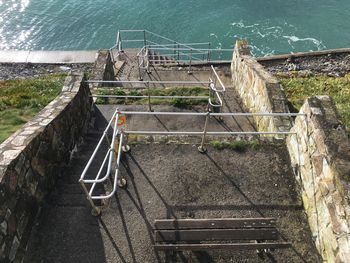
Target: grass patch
column 239, row 146
column 299, row 88
column 175, row 91
column 20, row 100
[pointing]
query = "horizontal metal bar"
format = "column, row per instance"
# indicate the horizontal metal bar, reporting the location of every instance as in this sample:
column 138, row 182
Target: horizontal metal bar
column 152, row 97
column 213, row 114
column 170, row 55
column 132, row 30
column 207, row 133
column 183, row 44
column 194, row 59
column 147, row 82
column 183, row 54
column 195, row 49
column 133, row 40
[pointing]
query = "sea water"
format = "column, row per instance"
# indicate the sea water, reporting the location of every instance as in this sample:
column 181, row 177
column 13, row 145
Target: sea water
column 270, row 26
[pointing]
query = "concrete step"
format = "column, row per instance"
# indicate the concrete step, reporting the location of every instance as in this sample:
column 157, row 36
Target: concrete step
column 73, row 200
column 66, row 234
column 63, row 187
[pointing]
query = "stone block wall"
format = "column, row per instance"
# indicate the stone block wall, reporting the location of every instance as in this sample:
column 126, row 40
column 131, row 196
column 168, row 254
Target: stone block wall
column 31, row 160
column 259, row 91
column 320, row 156
column 103, row 68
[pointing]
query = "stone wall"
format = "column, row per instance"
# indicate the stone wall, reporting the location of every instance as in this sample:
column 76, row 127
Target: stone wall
column 103, row 68
column 31, row 160
column 320, row 156
column 259, row 91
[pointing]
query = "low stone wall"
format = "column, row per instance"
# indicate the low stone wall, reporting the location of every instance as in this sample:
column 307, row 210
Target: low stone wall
column 31, row 160
column 259, row 91
column 103, row 68
column 320, row 156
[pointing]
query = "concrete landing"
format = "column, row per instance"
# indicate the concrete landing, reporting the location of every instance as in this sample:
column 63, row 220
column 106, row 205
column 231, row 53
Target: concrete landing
column 47, row 57
column 175, row 123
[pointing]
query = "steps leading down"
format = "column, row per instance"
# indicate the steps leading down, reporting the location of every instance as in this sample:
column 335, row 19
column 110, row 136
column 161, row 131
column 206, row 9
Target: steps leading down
column 65, row 230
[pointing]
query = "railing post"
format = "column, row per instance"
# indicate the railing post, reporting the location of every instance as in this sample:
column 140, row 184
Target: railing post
column 144, row 38
column 178, row 51
column 147, row 60
column 189, row 70
column 95, row 211
column 208, row 58
column 139, row 68
column 149, row 97
column 201, row 148
column 120, row 43
column 125, row 146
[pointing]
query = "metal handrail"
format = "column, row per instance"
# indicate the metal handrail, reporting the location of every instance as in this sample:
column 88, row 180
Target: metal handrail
column 188, row 50
column 223, row 88
column 110, row 151
column 146, row 40
column 83, row 174
column 219, row 93
column 192, row 44
column 223, row 114
column 121, row 133
column 109, row 155
column 146, row 82
column 151, row 96
column 101, row 197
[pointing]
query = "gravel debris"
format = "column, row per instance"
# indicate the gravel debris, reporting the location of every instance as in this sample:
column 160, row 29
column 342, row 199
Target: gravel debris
column 28, row 70
column 334, row 65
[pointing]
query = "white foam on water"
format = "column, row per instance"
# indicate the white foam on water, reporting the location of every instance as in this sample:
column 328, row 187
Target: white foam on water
column 294, row 39
column 265, row 37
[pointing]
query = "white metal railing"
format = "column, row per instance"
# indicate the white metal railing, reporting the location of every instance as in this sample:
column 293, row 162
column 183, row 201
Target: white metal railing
column 110, row 155
column 157, row 49
column 216, row 89
column 122, row 133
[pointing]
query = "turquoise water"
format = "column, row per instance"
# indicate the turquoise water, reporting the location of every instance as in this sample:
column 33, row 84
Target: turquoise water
column 271, row 27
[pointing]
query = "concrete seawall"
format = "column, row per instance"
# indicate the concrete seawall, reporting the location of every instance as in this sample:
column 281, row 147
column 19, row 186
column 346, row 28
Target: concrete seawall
column 49, row 57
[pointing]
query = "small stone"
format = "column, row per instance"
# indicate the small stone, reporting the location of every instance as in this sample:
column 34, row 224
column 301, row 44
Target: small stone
column 316, row 111
column 14, row 249
column 336, row 222
column 326, row 187
column 64, row 68
column 20, row 165
column 18, row 140
column 317, row 162
column 8, row 156
column 13, row 179
column 12, row 224
column 3, row 228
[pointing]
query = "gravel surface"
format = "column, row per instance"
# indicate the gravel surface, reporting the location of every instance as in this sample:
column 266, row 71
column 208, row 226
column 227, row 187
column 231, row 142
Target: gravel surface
column 173, row 181
column 28, row 70
column 336, row 65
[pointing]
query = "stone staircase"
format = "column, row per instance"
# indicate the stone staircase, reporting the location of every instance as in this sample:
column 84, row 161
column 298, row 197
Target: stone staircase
column 65, row 230
column 159, row 59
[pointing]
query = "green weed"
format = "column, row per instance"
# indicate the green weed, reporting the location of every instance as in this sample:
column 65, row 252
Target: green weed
column 20, row 100
column 239, row 146
column 299, row 88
